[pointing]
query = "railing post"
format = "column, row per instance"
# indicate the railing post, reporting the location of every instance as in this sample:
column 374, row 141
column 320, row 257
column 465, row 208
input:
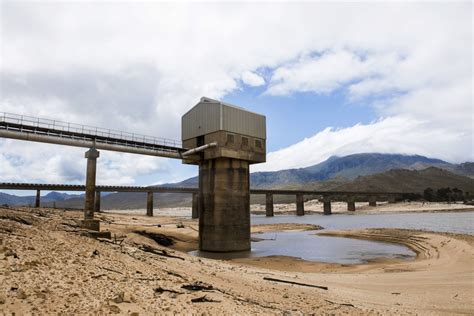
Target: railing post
column 299, row 204
column 269, row 204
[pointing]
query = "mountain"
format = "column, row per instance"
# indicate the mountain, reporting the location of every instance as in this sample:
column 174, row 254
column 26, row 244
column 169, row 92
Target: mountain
column 336, row 173
column 348, row 167
column 46, row 200
column 402, row 180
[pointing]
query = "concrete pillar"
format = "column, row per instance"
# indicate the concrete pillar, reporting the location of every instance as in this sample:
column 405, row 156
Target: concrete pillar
column 351, row 204
column 97, row 201
column 195, row 206
column 269, row 204
column 372, row 201
column 149, row 204
column 224, row 205
column 89, row 222
column 299, row 204
column 38, row 198
column 327, row 205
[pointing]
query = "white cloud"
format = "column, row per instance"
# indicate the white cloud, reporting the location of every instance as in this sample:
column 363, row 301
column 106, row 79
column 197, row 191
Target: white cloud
column 404, row 135
column 252, row 79
column 139, row 66
column 43, row 163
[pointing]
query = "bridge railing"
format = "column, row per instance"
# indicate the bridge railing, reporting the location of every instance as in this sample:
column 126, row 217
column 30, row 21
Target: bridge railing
column 35, row 125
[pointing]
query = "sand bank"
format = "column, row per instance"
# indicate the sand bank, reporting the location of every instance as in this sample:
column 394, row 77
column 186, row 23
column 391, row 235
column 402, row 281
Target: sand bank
column 47, row 267
column 316, row 207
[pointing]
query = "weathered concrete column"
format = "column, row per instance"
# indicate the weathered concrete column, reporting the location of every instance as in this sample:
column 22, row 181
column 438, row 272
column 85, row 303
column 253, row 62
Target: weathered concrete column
column 269, row 204
column 327, row 205
column 149, row 204
column 97, row 201
column 299, row 204
column 195, row 206
column 372, row 201
column 89, row 222
column 38, row 198
column 224, row 199
column 351, row 204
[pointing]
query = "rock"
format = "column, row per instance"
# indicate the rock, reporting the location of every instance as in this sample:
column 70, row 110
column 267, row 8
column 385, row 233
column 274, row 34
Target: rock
column 114, row 309
column 118, row 299
column 2, row 299
column 128, row 297
column 21, row 294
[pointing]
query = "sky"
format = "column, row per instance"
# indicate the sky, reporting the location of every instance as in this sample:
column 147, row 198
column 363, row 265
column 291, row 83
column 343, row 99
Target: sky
column 331, row 79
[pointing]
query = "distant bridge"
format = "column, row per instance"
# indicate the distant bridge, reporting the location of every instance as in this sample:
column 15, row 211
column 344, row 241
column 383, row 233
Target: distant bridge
column 372, row 197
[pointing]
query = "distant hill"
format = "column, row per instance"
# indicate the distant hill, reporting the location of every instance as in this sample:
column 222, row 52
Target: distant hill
column 47, row 199
column 336, row 173
column 400, row 180
column 351, row 167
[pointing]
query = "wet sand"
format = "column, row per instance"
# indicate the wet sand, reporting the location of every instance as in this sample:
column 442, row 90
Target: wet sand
column 46, row 267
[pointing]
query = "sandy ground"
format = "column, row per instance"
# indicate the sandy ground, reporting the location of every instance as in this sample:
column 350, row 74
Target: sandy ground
column 314, row 206
column 47, row 266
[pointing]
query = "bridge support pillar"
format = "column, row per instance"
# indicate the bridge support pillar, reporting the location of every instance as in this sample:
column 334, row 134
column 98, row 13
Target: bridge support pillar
column 351, row 204
column 269, row 204
column 327, row 205
column 149, row 204
column 89, row 222
column 195, row 206
column 38, row 198
column 372, row 201
column 299, row 204
column 224, row 205
column 97, row 201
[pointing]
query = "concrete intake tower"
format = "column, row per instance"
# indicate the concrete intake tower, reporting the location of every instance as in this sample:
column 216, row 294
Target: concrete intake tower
column 225, row 139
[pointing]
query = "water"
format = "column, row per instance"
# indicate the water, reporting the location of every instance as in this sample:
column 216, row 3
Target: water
column 308, row 246
column 453, row 222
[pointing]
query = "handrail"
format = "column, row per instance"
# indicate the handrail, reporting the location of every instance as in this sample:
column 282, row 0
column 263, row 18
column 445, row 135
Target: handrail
column 60, row 126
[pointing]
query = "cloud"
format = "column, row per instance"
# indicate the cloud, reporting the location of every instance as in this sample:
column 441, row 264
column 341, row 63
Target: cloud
column 138, row 67
column 252, row 79
column 44, row 163
column 404, row 135
column 328, row 71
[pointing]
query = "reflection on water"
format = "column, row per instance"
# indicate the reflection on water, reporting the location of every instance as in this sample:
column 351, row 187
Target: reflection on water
column 308, row 246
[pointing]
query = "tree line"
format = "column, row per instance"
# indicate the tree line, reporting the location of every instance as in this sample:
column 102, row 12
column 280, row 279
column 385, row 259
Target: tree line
column 445, row 195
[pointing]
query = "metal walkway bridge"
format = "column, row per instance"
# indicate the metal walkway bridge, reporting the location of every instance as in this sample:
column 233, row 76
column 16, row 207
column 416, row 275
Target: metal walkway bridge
column 35, row 129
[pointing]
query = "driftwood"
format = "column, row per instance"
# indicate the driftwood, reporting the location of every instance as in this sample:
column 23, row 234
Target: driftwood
column 296, row 283
column 203, row 299
column 111, row 270
column 198, row 287
column 161, row 290
column 158, row 252
column 343, row 304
